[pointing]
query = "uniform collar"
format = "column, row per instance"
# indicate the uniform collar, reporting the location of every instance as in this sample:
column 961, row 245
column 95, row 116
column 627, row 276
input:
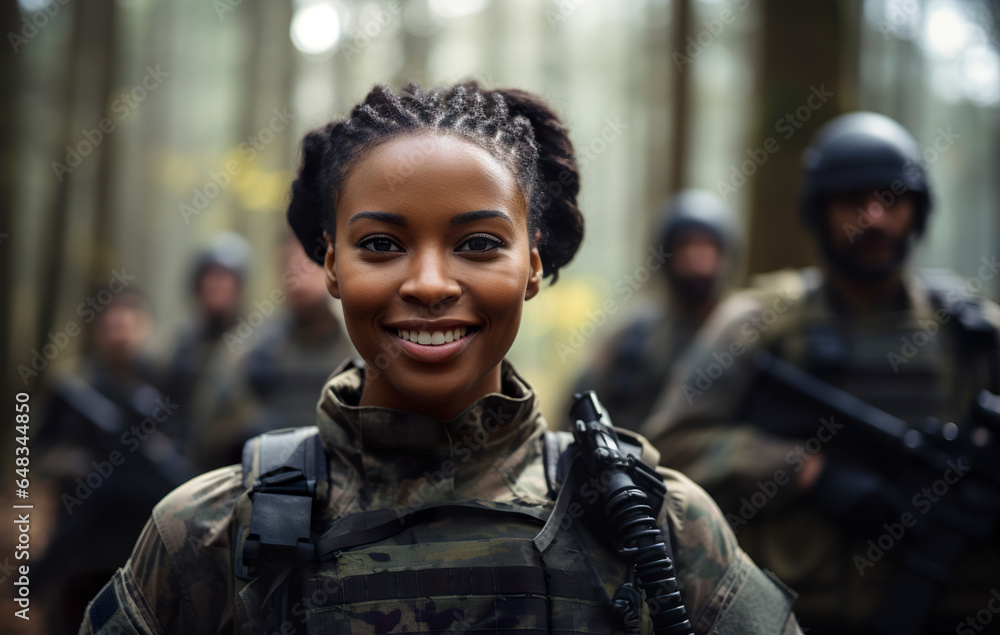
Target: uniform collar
column 379, row 456
column 908, row 296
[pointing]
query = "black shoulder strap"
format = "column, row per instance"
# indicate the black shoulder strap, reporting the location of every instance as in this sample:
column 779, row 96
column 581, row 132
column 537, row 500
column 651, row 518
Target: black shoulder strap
column 947, row 291
column 282, row 469
column 557, row 459
column 559, row 455
column 560, row 459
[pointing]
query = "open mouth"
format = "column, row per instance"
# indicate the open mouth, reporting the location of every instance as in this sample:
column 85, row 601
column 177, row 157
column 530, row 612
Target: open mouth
column 434, row 338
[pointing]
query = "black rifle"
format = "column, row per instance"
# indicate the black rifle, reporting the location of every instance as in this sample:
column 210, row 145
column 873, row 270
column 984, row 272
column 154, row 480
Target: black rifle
column 968, row 514
column 627, row 508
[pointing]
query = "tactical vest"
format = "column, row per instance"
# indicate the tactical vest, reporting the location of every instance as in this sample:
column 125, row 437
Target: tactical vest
column 911, row 365
column 929, row 361
column 471, row 565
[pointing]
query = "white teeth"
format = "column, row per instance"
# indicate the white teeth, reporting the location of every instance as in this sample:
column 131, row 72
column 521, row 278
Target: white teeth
column 435, row 338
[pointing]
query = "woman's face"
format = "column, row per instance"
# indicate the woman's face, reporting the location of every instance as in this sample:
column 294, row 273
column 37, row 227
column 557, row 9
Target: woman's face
column 432, row 261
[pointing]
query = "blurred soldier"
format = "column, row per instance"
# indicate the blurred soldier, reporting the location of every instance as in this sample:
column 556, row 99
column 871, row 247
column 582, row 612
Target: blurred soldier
column 199, row 364
column 285, row 370
column 827, row 516
column 630, row 369
column 105, row 458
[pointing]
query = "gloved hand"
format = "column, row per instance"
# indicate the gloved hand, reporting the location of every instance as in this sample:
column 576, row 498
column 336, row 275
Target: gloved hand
column 858, row 499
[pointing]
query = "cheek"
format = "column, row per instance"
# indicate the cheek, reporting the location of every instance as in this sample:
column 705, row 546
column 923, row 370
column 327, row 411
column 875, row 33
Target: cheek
column 364, row 292
column 837, row 220
column 500, row 293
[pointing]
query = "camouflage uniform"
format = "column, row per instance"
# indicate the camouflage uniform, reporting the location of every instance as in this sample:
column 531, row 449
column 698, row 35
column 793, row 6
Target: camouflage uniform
column 751, row 473
column 630, row 370
column 180, row 576
column 277, row 385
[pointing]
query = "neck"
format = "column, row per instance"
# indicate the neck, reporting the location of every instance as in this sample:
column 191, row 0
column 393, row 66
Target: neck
column 694, row 309
column 121, row 370
column 697, row 311
column 864, row 297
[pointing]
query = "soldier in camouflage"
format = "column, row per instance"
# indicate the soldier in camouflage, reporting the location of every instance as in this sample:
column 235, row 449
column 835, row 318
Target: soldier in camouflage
column 808, row 508
column 432, row 259
column 277, row 380
column 630, row 369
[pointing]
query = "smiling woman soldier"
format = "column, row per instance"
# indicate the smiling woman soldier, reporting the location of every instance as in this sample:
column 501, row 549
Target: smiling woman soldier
column 427, row 499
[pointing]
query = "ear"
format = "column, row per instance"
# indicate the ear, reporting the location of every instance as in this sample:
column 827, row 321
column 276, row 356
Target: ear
column 329, row 266
column 535, row 278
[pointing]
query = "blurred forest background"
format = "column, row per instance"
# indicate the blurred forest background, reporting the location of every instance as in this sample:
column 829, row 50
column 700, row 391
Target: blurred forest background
column 139, row 130
column 657, row 94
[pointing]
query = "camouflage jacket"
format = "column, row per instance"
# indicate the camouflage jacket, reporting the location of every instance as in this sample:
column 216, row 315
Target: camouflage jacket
column 180, row 577
column 905, row 357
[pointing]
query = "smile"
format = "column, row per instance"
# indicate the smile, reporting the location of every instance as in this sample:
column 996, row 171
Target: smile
column 434, row 338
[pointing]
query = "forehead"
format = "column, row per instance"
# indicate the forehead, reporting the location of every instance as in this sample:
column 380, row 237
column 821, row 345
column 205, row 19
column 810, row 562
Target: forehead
column 430, row 170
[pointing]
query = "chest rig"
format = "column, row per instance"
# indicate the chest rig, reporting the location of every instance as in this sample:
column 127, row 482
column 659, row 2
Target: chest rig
column 464, row 566
column 914, row 362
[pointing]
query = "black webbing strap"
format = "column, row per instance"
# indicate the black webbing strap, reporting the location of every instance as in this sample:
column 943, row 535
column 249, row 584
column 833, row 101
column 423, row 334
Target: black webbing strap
column 557, row 459
column 282, row 469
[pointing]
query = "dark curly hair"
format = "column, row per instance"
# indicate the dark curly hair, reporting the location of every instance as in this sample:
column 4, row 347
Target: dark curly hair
column 514, row 126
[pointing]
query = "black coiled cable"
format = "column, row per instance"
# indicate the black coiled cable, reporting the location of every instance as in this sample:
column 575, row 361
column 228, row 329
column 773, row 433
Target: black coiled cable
column 636, row 532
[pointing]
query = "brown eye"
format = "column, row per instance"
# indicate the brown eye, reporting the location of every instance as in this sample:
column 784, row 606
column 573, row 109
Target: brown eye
column 380, row 244
column 480, row 243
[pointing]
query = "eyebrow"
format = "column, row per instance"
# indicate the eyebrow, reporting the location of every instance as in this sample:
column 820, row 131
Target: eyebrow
column 385, row 217
column 468, row 217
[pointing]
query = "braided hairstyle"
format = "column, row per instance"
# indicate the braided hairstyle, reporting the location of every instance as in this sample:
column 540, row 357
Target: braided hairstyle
column 514, row 126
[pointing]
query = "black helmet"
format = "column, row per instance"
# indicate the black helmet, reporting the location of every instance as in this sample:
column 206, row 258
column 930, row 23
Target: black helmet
column 227, row 250
column 863, row 151
column 698, row 210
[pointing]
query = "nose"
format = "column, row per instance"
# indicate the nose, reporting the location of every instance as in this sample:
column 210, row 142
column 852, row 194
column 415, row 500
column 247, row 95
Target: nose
column 875, row 210
column 429, row 280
